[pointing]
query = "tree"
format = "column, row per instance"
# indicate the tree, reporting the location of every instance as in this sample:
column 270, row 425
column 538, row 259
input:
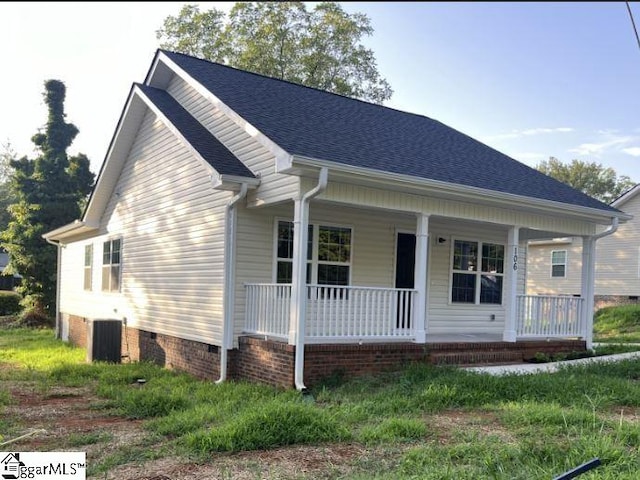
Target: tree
column 590, row 178
column 48, row 191
column 7, row 155
column 319, row 48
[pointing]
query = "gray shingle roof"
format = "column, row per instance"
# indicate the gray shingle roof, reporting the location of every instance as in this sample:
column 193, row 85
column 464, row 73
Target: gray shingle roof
column 208, row 146
column 321, row 125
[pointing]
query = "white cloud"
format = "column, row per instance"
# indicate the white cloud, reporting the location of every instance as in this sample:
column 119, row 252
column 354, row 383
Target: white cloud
column 531, row 131
column 633, row 151
column 601, row 147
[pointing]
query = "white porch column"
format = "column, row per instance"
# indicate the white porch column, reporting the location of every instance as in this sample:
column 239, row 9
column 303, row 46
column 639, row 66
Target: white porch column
column 420, row 316
column 298, row 309
column 511, row 290
column 588, row 287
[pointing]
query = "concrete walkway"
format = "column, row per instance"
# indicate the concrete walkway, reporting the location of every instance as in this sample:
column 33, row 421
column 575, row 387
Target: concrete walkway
column 527, row 368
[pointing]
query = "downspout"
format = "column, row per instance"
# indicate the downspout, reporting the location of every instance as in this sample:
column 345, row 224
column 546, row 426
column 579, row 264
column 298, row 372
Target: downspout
column 590, row 288
column 301, row 280
column 611, row 229
column 58, row 279
column 229, row 279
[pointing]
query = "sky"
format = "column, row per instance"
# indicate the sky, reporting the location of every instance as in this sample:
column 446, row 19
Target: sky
column 531, row 79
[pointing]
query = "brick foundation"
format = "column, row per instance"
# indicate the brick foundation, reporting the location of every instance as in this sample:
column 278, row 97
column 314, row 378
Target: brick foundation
column 602, row 301
column 199, row 359
column 273, row 362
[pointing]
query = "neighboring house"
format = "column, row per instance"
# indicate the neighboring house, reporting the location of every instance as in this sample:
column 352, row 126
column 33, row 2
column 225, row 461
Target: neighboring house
column 555, row 265
column 248, row 227
column 7, row 282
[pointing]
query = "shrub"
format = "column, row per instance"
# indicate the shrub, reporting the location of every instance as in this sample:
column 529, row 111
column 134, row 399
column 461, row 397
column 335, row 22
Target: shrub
column 33, row 318
column 9, row 303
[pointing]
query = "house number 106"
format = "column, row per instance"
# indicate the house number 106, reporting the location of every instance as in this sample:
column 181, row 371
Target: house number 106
column 515, row 258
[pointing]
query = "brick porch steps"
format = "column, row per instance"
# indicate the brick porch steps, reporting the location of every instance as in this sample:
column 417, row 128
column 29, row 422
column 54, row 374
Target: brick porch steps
column 497, row 353
column 476, row 358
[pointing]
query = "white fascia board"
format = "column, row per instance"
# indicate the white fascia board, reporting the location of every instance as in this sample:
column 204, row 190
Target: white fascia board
column 552, row 241
column 464, row 192
column 283, row 159
column 232, row 182
column 77, row 227
column 119, row 148
column 628, row 195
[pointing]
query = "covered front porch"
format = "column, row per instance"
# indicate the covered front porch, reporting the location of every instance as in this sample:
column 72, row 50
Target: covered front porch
column 353, row 314
column 353, row 268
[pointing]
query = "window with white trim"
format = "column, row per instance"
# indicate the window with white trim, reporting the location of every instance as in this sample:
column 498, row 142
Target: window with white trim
column 111, row 262
column 559, row 263
column 328, row 254
column 477, row 272
column 88, row 266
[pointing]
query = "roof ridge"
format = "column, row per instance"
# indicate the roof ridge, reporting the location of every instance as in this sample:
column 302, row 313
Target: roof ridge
column 294, row 83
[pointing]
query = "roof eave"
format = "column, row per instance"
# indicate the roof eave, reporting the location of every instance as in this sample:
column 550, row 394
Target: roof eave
column 461, row 192
column 233, row 182
column 73, row 229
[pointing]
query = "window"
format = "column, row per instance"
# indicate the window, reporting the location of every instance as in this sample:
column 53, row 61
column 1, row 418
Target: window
column 328, row 254
column 559, row 263
column 88, row 266
column 477, row 272
column 111, row 266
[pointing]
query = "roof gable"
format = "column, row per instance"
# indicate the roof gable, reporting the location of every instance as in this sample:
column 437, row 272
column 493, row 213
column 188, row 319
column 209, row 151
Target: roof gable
column 195, row 134
column 312, row 123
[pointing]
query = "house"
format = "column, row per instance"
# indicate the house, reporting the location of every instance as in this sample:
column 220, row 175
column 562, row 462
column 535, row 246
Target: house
column 555, row 265
column 247, row 227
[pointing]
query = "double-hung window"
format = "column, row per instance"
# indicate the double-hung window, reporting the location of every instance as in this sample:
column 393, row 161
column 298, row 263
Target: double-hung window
column 477, row 272
column 88, row 266
column 559, row 263
column 328, row 254
column 111, row 250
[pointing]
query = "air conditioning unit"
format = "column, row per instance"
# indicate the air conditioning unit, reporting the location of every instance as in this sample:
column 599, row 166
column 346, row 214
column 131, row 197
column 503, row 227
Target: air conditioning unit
column 104, row 340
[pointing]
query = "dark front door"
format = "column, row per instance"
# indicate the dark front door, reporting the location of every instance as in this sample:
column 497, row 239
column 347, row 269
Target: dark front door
column 405, row 273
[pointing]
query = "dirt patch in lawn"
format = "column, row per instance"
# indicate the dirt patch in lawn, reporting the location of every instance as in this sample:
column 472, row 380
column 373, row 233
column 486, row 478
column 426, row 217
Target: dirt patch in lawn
column 74, row 419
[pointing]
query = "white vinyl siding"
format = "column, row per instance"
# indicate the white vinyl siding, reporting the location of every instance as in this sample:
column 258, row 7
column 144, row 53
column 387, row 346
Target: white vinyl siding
column 358, row 195
column 373, row 258
column 173, row 261
column 273, row 187
column 617, row 256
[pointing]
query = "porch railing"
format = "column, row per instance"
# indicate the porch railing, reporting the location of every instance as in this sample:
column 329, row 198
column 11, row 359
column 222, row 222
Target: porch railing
column 334, row 313
column 549, row 316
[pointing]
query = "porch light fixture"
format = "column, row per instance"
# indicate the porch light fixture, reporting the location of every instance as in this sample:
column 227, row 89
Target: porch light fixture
column 441, row 240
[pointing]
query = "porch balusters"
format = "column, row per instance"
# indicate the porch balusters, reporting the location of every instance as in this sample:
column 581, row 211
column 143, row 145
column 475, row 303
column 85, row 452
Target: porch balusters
column 549, row 316
column 334, row 313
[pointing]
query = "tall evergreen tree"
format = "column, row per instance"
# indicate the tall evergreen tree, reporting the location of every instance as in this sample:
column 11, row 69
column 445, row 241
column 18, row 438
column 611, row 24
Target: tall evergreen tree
column 48, row 191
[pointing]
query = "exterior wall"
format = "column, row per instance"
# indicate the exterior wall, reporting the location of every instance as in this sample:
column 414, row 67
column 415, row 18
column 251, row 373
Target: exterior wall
column 357, row 195
column 373, row 245
column 171, row 223
column 539, row 279
column 273, row 187
column 270, row 362
column 199, row 359
column 617, row 263
column 447, row 317
column 373, row 258
column 618, row 256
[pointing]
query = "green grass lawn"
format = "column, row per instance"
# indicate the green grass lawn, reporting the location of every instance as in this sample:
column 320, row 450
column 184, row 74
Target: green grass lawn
column 617, row 324
column 422, row 423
